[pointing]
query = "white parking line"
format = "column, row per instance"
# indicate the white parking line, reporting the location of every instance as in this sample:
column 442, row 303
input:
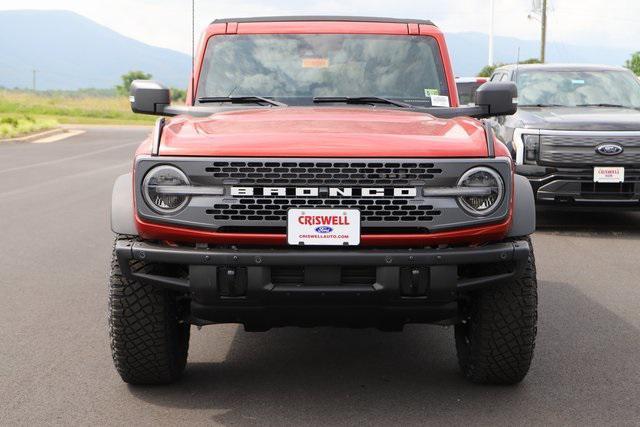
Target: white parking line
column 59, row 137
column 65, row 159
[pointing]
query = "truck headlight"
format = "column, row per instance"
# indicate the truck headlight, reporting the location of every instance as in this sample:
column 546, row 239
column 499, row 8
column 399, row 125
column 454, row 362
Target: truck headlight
column 531, row 147
column 490, row 192
column 157, row 189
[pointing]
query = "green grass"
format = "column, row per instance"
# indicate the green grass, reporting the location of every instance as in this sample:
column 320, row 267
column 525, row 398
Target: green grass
column 70, row 108
column 19, row 125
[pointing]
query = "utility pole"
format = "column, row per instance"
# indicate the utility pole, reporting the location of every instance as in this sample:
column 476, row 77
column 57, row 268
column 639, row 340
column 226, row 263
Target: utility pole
column 491, row 27
column 539, row 13
column 543, row 37
column 33, row 82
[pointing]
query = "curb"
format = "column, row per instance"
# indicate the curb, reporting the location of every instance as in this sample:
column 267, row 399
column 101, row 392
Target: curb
column 35, row 136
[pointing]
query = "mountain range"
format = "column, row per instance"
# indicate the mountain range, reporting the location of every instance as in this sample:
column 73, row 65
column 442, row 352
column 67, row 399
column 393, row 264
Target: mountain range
column 68, row 51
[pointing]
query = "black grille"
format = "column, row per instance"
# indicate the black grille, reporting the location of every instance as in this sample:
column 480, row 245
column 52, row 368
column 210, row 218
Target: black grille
column 378, row 210
column 609, row 190
column 349, row 276
column 337, row 183
column 581, row 149
column 323, row 173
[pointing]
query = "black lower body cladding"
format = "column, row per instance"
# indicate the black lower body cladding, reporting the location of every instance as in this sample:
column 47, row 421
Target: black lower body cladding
column 575, row 188
column 355, row 288
column 157, row 292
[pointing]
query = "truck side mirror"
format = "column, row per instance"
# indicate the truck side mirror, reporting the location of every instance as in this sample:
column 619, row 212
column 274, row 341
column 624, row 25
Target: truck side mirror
column 499, row 98
column 149, row 97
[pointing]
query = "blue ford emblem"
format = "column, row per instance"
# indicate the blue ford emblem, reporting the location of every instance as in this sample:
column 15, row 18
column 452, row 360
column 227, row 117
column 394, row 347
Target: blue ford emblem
column 324, row 229
column 609, row 149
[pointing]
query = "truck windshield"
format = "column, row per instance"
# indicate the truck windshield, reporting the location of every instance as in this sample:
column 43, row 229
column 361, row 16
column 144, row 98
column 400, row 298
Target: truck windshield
column 300, row 67
column 578, row 88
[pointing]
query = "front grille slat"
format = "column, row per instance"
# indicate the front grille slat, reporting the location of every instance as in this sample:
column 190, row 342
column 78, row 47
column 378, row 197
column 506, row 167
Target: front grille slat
column 387, row 210
column 323, row 173
column 576, row 149
column 349, row 276
column 612, row 191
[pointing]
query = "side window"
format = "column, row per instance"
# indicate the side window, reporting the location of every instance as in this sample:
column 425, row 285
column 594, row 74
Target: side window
column 505, row 77
column 496, row 77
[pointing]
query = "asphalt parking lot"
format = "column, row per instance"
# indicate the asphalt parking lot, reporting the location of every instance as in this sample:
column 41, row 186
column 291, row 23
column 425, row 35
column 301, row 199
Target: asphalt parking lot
column 56, row 367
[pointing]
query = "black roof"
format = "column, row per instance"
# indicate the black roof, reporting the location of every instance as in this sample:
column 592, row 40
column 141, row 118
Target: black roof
column 561, row 67
column 323, row 18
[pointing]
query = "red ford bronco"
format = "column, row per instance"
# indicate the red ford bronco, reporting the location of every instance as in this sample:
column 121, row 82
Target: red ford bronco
column 322, row 174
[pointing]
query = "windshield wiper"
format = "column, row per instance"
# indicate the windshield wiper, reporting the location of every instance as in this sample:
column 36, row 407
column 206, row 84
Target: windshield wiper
column 241, row 100
column 603, row 105
column 360, row 100
column 541, row 105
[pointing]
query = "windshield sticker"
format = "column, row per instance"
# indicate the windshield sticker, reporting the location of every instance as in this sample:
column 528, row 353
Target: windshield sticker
column 431, row 92
column 577, row 82
column 439, row 101
column 315, row 63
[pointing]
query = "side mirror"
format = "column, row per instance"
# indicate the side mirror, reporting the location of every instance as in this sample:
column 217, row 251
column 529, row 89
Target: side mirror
column 499, row 98
column 149, row 97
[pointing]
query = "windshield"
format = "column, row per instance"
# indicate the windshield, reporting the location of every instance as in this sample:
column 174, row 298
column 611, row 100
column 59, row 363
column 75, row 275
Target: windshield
column 573, row 88
column 301, row 67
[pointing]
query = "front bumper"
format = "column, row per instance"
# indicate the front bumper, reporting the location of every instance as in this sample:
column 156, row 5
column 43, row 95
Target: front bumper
column 278, row 287
column 574, row 187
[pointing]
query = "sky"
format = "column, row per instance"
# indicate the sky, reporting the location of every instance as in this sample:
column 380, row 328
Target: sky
column 167, row 23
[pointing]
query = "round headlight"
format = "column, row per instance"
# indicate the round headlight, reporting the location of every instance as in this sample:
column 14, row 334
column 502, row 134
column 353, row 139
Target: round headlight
column 490, row 191
column 156, row 188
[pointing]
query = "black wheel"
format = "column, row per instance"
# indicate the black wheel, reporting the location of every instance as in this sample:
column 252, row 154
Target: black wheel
column 149, row 338
column 496, row 339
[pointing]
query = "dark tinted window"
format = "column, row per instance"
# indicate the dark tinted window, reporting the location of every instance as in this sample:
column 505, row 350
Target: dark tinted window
column 467, row 92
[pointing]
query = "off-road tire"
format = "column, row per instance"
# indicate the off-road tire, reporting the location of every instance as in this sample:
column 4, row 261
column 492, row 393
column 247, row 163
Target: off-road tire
column 496, row 340
column 149, row 340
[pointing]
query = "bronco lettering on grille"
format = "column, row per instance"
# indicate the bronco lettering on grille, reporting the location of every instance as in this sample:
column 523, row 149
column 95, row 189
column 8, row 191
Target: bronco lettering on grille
column 317, row 191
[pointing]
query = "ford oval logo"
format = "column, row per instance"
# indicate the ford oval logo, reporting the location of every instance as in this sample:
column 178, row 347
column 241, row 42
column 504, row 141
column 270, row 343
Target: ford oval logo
column 609, row 149
column 324, row 229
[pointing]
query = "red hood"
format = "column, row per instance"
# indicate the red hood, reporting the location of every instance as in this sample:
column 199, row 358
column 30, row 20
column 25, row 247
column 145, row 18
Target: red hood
column 323, row 132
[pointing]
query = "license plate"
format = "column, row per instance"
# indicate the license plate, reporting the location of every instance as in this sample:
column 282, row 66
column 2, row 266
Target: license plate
column 608, row 174
column 323, row 227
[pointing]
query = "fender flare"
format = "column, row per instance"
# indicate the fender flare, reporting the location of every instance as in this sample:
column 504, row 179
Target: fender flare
column 122, row 210
column 524, row 208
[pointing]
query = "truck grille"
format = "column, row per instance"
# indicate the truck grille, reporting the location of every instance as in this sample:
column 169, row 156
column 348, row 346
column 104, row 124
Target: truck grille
column 378, row 210
column 571, row 150
column 323, row 173
column 347, row 276
column 387, row 213
column 611, row 191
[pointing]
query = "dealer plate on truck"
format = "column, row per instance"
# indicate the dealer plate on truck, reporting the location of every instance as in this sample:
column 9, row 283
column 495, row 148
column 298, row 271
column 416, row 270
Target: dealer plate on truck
column 323, row 227
column 608, row 174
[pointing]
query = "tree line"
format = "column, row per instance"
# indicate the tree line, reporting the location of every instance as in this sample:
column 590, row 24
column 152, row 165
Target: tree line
column 634, row 63
column 177, row 95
